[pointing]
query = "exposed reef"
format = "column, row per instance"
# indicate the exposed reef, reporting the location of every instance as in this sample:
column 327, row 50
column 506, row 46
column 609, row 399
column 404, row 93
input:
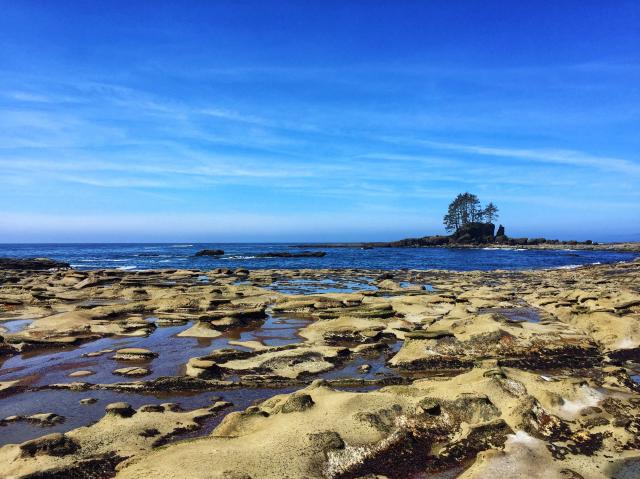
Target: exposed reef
column 408, row 373
column 285, row 254
column 210, row 252
column 33, row 264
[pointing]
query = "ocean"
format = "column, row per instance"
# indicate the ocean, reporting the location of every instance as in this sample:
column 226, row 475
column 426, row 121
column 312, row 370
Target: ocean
column 134, row 256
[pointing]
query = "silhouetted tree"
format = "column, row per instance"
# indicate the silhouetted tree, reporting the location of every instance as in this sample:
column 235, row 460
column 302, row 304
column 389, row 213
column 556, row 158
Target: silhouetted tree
column 466, row 208
column 490, row 213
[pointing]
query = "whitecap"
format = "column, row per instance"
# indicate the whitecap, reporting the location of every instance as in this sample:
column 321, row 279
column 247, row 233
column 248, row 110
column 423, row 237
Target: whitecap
column 128, row 267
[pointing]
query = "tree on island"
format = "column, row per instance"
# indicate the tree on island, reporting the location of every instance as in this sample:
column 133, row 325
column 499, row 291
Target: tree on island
column 465, row 209
column 491, row 213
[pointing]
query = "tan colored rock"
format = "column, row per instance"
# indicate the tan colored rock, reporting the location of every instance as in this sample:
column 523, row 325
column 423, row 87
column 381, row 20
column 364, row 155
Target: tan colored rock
column 132, row 371
column 200, row 330
column 134, row 354
column 81, row 373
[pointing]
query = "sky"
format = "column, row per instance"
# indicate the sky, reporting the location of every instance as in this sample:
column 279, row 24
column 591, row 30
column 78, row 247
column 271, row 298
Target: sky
column 316, row 120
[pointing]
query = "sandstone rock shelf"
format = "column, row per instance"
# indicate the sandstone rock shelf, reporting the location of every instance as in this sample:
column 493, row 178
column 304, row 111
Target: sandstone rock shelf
column 482, row 374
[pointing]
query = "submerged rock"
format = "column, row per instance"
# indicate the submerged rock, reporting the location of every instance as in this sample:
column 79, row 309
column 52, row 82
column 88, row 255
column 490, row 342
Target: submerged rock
column 303, row 254
column 210, row 252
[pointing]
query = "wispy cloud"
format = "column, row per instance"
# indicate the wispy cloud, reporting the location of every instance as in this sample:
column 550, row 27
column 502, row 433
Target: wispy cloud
column 556, row 156
column 370, row 143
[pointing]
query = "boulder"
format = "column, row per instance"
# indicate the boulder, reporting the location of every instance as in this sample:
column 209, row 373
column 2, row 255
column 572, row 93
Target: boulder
column 121, row 409
column 203, row 369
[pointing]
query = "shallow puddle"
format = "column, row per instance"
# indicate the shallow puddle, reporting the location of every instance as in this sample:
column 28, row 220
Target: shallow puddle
column 15, row 325
column 54, row 366
column 67, row 404
column 530, row 315
column 322, row 285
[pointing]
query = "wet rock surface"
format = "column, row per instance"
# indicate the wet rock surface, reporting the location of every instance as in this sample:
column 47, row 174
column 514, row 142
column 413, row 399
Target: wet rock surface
column 31, row 264
column 357, row 373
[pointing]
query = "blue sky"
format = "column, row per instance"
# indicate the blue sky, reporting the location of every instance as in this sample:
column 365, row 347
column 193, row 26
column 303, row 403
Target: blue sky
column 326, row 121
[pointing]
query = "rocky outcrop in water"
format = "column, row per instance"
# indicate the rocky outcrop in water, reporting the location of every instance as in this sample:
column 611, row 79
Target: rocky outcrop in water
column 33, row 264
column 210, row 252
column 474, row 233
column 302, row 254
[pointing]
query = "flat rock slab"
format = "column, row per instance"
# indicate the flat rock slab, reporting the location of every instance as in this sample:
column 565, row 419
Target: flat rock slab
column 132, row 371
column 489, row 336
column 78, row 374
column 134, row 354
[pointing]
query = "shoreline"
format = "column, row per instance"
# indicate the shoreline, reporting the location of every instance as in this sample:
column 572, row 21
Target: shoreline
column 450, row 257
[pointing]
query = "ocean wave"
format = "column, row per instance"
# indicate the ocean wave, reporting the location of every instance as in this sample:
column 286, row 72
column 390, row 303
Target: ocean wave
column 489, row 248
column 126, row 268
column 240, row 257
column 102, row 260
column 181, row 246
column 569, row 266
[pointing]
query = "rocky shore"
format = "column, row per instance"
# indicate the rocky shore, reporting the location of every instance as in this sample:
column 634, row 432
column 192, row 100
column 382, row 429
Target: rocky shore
column 483, row 235
column 397, row 374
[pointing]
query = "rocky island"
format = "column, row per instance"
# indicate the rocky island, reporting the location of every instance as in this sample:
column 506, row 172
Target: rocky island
column 472, row 226
column 403, row 373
